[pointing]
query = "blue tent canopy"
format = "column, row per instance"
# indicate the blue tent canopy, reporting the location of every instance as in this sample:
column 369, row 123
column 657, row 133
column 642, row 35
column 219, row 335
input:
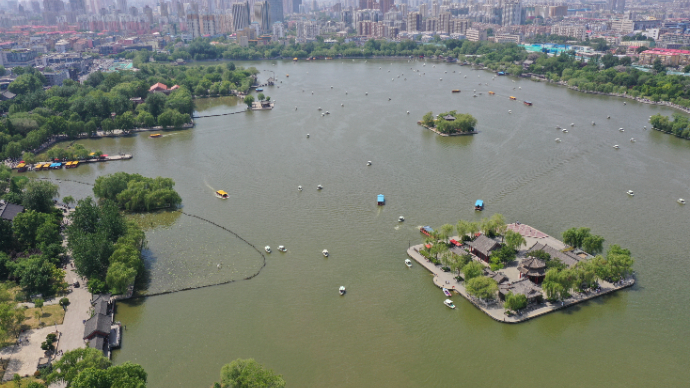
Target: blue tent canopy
column 380, row 198
column 479, row 203
column 428, row 229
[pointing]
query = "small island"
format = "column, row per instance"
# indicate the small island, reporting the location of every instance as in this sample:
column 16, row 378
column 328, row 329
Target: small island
column 450, row 123
column 513, row 272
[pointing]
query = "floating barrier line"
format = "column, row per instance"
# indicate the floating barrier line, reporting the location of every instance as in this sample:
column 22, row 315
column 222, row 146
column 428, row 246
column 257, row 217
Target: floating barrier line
column 220, row 114
column 252, row 276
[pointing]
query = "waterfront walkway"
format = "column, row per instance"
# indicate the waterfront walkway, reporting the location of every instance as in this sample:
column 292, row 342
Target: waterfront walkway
column 495, row 309
column 24, row 356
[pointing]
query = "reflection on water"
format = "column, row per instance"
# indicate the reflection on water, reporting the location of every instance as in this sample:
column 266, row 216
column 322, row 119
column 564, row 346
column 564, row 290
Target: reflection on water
column 212, row 105
column 154, row 220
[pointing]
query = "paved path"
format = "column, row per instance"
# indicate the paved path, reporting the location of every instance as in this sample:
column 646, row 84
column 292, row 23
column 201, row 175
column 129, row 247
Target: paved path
column 77, row 312
column 495, row 310
column 24, row 357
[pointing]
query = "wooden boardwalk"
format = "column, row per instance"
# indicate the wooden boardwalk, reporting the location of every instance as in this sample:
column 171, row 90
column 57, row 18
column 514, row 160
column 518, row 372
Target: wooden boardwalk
column 495, row 310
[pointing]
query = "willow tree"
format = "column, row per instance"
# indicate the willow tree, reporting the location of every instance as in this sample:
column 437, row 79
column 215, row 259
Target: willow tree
column 482, row 287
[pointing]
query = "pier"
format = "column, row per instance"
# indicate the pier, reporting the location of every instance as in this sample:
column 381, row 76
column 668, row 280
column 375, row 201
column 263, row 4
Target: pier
column 21, row 167
column 494, row 308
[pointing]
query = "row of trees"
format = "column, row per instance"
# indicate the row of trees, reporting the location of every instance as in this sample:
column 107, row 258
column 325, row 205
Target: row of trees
column 134, row 192
column 679, row 125
column 614, row 266
column 472, row 272
column 106, row 248
column 35, row 115
column 88, row 368
column 463, row 122
column 583, row 239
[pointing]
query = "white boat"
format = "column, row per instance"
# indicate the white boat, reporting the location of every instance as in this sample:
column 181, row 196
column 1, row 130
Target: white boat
column 616, row 146
column 558, row 140
column 319, row 187
column 341, row 290
column 325, row 253
column 446, row 292
column 630, row 193
column 564, row 130
column 267, row 249
column 408, row 263
column 299, row 188
column 681, row 201
column 401, row 219
column 449, row 303
column 282, row 248
column 369, row 163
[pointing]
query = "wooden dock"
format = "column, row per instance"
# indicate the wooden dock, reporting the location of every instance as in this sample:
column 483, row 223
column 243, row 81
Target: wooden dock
column 495, row 309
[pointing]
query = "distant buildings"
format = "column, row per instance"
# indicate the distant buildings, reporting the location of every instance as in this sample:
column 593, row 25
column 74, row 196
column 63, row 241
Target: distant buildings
column 56, row 78
column 17, row 57
column 475, row 35
column 240, row 15
column 262, row 11
column 669, row 57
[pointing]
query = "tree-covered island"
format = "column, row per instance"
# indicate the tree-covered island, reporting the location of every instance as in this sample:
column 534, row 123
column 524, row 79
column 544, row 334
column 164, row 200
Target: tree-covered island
column 450, row 123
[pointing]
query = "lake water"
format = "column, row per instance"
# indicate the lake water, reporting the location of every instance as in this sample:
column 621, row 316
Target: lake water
column 392, row 330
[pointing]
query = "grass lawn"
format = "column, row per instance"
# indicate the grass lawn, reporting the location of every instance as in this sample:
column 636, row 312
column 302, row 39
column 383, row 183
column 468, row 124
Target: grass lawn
column 52, row 315
column 43, row 156
column 25, row 382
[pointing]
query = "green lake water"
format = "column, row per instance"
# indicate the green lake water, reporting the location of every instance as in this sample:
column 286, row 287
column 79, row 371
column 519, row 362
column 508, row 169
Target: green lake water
column 391, row 329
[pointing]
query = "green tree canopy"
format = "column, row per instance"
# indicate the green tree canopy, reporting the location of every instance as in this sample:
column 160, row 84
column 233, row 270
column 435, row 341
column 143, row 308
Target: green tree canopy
column 73, row 362
column 482, row 287
column 134, row 192
column 472, row 270
column 515, row 302
column 38, row 195
column 247, row 373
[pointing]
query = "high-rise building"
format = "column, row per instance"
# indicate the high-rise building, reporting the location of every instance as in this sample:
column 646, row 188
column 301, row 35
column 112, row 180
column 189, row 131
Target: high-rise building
column 295, row 6
column 240, row 15
column 422, row 10
column 122, row 6
column 435, row 9
column 148, row 12
column 616, row 5
column 53, row 6
column 262, row 11
column 512, row 13
column 414, row 21
column 163, row 9
column 134, row 11
column 276, row 11
column 78, row 6
column 385, row 5
column 444, row 21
